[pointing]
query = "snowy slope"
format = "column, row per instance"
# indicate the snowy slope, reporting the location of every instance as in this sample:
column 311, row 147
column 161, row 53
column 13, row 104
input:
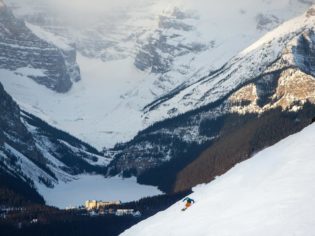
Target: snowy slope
column 273, row 76
column 181, row 41
column 270, row 194
column 273, row 51
column 93, row 110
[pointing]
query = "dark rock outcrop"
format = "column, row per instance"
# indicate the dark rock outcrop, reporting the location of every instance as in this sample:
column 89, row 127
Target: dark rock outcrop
column 158, row 51
column 13, row 132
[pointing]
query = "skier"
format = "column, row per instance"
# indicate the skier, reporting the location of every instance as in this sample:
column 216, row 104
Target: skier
column 189, row 202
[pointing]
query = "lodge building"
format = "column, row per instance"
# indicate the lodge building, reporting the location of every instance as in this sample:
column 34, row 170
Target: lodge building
column 96, row 205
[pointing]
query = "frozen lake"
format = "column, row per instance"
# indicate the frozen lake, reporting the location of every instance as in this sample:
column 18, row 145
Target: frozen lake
column 88, row 187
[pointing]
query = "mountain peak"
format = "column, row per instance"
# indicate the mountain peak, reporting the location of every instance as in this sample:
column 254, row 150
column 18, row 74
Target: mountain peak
column 253, row 61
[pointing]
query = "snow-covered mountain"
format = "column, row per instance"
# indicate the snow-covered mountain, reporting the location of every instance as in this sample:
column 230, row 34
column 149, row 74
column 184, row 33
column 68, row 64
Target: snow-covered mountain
column 24, row 53
column 132, row 53
column 271, row 194
column 289, row 46
column 33, row 152
column 54, row 164
column 180, row 72
column 222, row 119
column 40, row 154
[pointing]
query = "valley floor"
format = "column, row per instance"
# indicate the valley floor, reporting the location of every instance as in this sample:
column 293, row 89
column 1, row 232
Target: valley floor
column 93, row 187
column 95, row 109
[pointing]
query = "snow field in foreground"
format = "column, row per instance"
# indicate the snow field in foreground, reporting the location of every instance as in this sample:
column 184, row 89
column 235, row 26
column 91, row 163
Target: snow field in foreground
column 270, row 194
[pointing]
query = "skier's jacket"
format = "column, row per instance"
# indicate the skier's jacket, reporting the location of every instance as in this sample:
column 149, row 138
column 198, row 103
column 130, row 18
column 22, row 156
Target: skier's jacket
column 189, row 200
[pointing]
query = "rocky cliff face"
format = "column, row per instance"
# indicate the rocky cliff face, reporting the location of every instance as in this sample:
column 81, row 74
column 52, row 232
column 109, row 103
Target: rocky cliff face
column 261, row 96
column 23, row 52
column 157, row 51
column 39, row 154
column 15, row 136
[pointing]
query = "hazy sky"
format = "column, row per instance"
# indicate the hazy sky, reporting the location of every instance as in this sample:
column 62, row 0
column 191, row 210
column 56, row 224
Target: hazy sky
column 93, row 6
column 107, row 6
column 89, row 5
column 84, row 12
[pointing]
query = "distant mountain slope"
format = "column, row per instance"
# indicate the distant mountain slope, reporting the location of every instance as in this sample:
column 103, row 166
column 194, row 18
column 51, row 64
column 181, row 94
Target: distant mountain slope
column 23, row 52
column 37, row 154
column 288, row 46
column 16, row 188
column 258, row 98
column 271, row 194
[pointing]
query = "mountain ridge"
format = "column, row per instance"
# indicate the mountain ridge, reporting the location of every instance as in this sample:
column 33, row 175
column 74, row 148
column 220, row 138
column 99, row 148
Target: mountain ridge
column 109, row 45
column 279, row 85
